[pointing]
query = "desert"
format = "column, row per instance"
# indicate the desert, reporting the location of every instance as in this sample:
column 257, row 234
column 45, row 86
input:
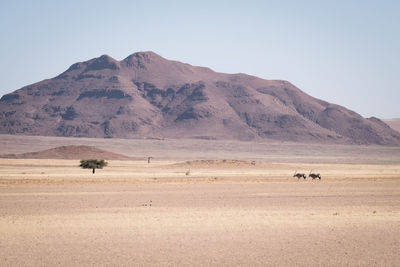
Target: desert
column 200, row 203
column 199, row 133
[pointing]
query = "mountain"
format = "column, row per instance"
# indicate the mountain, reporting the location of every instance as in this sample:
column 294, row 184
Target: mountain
column 69, row 152
column 148, row 96
column 393, row 123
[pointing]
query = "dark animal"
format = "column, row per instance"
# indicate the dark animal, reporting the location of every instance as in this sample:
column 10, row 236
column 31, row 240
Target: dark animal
column 314, row 175
column 299, row 175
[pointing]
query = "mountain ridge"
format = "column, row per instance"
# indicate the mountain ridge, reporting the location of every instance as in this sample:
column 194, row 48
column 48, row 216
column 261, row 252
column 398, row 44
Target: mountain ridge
column 147, row 96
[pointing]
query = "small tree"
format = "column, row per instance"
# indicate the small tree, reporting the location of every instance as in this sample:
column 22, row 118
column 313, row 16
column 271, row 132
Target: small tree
column 93, row 164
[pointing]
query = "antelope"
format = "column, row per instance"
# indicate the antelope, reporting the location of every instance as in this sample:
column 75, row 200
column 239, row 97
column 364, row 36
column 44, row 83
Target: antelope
column 314, row 175
column 299, row 175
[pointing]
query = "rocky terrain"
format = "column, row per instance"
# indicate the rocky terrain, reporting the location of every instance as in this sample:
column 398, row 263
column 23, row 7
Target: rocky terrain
column 147, row 96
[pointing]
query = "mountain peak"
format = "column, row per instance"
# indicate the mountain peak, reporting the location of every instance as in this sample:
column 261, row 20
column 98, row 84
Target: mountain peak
column 102, row 62
column 139, row 59
column 106, row 58
column 145, row 54
column 98, row 63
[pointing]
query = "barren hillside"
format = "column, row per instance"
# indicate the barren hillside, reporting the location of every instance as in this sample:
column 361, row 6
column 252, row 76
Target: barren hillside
column 147, row 96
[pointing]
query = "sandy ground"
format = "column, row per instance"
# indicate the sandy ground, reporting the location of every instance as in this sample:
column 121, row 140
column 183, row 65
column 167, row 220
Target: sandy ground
column 193, row 149
column 238, row 206
column 224, row 213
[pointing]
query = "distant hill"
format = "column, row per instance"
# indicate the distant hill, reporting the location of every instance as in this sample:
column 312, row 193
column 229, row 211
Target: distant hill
column 69, row 152
column 147, row 96
column 393, row 123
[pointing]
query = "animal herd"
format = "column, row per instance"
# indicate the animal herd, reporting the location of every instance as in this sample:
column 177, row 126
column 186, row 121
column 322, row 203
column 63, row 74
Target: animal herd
column 303, row 175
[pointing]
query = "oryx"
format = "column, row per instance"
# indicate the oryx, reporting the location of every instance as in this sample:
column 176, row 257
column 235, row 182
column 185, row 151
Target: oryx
column 314, row 175
column 299, row 175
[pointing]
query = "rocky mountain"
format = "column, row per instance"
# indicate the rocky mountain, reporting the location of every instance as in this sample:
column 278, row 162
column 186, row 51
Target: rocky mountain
column 147, row 96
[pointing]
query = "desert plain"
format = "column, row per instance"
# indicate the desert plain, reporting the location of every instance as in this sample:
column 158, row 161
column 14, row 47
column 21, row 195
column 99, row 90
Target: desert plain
column 200, row 202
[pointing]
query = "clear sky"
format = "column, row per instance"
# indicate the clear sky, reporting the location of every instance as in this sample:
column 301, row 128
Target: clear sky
column 343, row 51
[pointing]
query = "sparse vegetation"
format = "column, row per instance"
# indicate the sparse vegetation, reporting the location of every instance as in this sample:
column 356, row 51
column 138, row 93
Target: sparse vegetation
column 93, row 164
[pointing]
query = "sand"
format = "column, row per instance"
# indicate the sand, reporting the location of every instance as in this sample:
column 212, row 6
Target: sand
column 215, row 203
column 224, row 213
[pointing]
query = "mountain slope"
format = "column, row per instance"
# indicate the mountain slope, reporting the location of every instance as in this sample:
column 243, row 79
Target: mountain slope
column 147, row 96
column 393, row 123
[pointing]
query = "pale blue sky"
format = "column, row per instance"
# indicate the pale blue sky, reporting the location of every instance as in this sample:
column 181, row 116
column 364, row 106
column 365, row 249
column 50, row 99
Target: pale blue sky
column 346, row 52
